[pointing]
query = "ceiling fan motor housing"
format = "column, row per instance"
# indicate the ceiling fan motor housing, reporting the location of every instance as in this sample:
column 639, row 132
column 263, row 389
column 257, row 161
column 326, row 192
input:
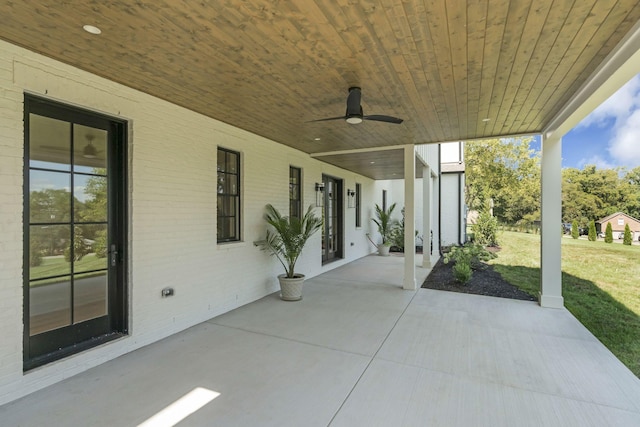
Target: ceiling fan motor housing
column 354, row 109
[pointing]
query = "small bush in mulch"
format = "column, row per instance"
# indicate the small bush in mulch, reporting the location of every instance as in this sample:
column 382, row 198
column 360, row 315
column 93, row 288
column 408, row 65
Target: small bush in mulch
column 484, row 281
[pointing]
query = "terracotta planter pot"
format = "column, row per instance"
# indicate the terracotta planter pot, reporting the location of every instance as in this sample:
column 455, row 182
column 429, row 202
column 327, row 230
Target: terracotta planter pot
column 291, row 288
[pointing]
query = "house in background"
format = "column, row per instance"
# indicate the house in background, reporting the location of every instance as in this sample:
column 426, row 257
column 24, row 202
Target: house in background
column 618, row 221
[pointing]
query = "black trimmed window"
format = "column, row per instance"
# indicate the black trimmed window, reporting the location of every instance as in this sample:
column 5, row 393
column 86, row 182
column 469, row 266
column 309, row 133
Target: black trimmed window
column 358, row 205
column 295, row 192
column 228, row 210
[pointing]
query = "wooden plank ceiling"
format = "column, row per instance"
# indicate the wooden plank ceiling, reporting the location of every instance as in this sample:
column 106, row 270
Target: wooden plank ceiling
column 452, row 70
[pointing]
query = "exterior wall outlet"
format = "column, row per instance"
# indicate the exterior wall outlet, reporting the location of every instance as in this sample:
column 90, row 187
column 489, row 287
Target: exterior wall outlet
column 167, row 292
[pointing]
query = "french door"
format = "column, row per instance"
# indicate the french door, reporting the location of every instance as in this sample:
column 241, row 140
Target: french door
column 75, row 230
column 332, row 240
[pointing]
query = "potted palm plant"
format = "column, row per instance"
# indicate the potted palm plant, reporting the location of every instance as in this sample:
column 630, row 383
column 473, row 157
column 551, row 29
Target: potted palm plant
column 285, row 239
column 385, row 224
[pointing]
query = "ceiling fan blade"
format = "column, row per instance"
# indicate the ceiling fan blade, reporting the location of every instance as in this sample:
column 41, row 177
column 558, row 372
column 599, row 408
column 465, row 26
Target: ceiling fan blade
column 386, row 119
column 327, row 119
column 353, row 102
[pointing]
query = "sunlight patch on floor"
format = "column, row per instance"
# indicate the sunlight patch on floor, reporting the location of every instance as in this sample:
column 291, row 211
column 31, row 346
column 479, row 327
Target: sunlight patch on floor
column 181, row 408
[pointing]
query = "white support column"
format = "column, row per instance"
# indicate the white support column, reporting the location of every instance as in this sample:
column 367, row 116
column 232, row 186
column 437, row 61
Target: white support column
column 550, row 248
column 409, row 281
column 426, row 217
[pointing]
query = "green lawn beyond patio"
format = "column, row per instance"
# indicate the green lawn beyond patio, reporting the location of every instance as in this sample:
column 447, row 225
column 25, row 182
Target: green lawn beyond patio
column 57, row 266
column 600, row 285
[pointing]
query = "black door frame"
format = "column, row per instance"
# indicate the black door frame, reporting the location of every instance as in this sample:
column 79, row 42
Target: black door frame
column 338, row 252
column 62, row 342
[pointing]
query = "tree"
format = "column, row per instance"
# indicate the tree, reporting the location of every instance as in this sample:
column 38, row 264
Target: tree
column 575, row 233
column 608, row 234
column 627, row 235
column 95, row 206
column 592, row 231
column 596, row 193
column 485, row 229
column 80, row 248
column 507, row 171
column 632, row 179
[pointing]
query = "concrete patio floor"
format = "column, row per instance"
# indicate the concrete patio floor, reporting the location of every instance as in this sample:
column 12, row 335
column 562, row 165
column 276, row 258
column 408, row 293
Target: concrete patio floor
column 359, row 351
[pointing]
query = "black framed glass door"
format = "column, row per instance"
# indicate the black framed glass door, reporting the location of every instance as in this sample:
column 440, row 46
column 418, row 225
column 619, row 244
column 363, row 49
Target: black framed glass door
column 332, row 214
column 75, row 230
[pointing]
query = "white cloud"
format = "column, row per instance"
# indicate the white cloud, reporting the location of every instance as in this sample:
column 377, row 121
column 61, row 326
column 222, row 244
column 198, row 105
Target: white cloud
column 618, row 107
column 625, row 145
column 595, row 160
column 622, row 112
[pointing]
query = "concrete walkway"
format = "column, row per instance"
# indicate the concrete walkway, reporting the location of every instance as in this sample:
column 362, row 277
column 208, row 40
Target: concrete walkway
column 357, row 351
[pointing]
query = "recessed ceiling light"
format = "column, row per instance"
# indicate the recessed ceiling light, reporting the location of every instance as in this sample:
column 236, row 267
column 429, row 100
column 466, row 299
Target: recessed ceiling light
column 371, row 163
column 316, row 139
column 486, row 120
column 91, row 29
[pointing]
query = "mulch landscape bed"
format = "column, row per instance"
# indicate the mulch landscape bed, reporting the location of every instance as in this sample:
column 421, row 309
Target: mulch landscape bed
column 484, row 281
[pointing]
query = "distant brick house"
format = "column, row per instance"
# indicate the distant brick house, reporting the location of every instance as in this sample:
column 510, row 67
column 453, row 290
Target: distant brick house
column 618, row 221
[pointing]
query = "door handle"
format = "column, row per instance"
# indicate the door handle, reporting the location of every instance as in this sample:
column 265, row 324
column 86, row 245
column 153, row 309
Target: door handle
column 114, row 256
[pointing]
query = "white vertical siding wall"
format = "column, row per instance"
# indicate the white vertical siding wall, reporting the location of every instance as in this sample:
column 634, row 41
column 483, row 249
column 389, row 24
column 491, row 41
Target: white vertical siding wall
column 453, row 203
column 429, row 154
column 172, row 218
column 453, row 211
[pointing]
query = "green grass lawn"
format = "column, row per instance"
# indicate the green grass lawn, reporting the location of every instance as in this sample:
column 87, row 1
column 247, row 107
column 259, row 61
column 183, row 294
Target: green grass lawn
column 55, row 266
column 600, row 286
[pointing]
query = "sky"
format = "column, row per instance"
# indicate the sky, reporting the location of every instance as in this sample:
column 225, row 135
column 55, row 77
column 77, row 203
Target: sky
column 609, row 137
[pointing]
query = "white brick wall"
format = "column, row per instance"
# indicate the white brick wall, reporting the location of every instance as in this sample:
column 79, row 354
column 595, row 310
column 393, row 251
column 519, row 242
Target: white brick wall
column 172, row 213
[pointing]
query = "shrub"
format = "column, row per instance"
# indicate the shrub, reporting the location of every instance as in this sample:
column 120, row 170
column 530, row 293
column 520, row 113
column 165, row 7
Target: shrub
column 35, row 258
column 575, row 233
column 100, row 244
column 592, row 231
column 485, row 230
column 608, row 234
column 466, row 258
column 462, row 272
column 80, row 249
column 627, row 235
column 396, row 236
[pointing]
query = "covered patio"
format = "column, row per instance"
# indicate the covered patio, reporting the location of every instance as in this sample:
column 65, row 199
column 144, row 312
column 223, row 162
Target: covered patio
column 177, row 90
column 357, row 351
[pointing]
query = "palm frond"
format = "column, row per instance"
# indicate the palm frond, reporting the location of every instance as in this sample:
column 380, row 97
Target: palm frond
column 288, row 236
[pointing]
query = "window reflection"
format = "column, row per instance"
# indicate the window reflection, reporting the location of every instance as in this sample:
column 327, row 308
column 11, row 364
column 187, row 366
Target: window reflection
column 49, row 143
column 49, row 198
column 67, row 250
column 89, row 149
column 89, row 296
column 90, row 192
column 49, row 305
column 48, row 245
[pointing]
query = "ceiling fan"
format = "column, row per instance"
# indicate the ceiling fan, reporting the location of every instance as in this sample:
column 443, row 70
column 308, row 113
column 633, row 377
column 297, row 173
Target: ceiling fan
column 89, row 151
column 354, row 113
